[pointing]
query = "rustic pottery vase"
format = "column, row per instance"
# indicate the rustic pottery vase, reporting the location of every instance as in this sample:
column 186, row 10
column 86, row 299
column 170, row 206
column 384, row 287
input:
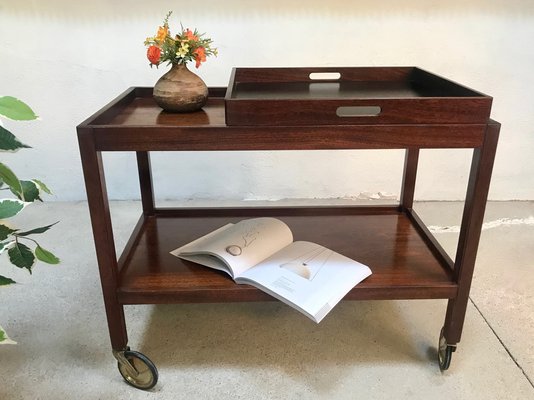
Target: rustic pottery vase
column 180, row 90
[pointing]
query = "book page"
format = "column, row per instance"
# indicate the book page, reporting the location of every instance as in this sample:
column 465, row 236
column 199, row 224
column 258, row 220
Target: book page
column 205, row 259
column 307, row 276
column 240, row 246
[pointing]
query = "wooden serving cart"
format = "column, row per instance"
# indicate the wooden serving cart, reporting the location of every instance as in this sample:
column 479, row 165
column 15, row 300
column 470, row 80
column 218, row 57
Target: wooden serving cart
column 285, row 109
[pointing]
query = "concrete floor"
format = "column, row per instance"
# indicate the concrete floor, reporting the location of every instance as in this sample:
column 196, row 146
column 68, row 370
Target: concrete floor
column 365, row 350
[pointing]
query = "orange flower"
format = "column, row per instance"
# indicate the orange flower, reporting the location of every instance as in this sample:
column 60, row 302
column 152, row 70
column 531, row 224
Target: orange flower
column 200, row 56
column 153, row 54
column 190, row 35
column 162, row 33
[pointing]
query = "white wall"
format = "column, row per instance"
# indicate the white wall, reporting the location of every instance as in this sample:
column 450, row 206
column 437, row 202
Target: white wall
column 67, row 59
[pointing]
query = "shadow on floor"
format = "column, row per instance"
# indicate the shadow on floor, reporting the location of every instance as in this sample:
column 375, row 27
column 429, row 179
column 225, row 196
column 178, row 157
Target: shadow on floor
column 272, row 335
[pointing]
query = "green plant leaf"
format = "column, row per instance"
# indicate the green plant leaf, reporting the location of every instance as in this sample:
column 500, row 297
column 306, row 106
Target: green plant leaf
column 5, row 231
column 8, row 141
column 45, row 256
column 30, row 191
column 36, row 230
column 21, row 256
column 42, row 186
column 4, row 339
column 15, row 109
column 6, row 281
column 10, row 207
column 10, row 179
column 5, row 245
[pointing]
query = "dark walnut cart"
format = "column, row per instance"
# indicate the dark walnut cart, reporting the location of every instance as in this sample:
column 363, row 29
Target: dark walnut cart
column 283, row 109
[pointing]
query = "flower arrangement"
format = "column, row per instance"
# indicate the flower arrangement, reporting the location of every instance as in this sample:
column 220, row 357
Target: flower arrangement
column 184, row 47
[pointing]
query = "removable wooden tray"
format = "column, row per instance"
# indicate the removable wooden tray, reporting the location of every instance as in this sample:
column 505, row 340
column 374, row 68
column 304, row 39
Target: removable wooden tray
column 349, row 96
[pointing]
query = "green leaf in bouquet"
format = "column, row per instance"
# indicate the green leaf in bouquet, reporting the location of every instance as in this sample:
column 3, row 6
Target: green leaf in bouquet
column 10, row 179
column 15, row 109
column 42, row 229
column 6, row 281
column 21, row 256
column 8, row 141
column 46, row 256
column 10, row 207
column 5, row 231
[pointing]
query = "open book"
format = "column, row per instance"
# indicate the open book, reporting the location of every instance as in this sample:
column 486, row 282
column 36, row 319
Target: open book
column 261, row 252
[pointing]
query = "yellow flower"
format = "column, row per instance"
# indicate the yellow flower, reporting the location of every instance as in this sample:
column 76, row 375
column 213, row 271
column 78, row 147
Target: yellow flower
column 183, row 50
column 162, row 33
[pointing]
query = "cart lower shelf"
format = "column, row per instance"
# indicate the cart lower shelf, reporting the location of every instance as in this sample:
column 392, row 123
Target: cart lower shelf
column 406, row 262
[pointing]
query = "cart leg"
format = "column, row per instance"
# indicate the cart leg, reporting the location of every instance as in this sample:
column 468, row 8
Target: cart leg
column 103, row 235
column 475, row 204
column 409, row 177
column 145, row 182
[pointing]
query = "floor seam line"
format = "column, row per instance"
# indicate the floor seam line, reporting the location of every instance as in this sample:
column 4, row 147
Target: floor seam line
column 502, row 343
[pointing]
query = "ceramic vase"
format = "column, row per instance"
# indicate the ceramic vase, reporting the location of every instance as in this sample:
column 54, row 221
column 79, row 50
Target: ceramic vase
column 180, row 90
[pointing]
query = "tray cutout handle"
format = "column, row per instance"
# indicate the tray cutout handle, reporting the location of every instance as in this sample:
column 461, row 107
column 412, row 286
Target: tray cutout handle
column 325, row 76
column 358, row 111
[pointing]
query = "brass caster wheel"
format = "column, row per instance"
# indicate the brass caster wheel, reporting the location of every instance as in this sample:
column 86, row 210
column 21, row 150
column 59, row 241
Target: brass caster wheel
column 137, row 369
column 445, row 351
